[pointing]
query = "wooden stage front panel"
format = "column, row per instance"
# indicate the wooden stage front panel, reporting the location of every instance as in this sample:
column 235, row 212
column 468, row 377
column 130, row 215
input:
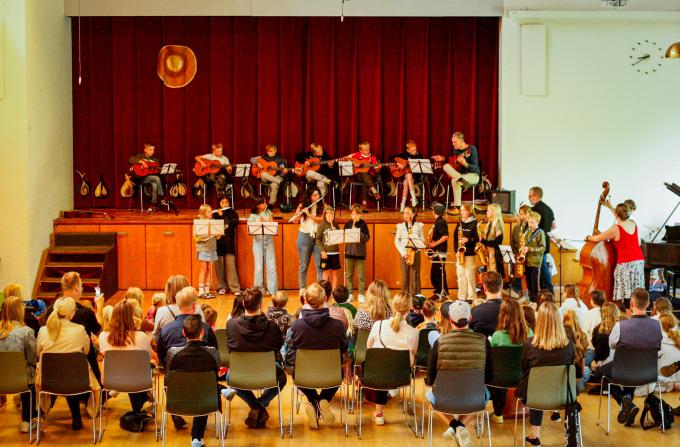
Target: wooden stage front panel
column 153, row 247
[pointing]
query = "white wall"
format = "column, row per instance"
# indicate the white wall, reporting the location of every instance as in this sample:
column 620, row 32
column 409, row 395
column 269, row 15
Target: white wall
column 599, row 120
column 36, row 165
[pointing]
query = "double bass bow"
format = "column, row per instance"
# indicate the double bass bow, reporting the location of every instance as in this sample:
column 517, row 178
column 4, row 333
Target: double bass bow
column 598, row 259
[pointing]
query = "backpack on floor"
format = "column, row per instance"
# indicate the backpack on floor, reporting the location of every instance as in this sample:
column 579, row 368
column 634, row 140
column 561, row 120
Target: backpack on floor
column 651, row 409
column 133, row 422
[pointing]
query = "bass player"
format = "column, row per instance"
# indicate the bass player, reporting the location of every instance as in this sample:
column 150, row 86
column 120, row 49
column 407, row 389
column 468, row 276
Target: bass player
column 149, row 166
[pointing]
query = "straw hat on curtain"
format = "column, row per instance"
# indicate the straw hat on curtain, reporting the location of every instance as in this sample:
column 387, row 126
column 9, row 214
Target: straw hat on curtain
column 176, row 65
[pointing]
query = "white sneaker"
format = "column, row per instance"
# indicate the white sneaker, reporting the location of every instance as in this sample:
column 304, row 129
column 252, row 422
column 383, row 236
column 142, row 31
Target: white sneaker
column 326, row 414
column 24, row 426
column 463, row 436
column 394, row 393
column 450, row 434
column 414, row 201
column 361, row 298
column 350, row 298
column 197, row 443
column 312, row 419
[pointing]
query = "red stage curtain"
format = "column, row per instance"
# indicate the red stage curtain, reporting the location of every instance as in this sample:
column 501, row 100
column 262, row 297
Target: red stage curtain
column 288, row 81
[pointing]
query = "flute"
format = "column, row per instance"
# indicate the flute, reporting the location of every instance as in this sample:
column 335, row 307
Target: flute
column 298, row 214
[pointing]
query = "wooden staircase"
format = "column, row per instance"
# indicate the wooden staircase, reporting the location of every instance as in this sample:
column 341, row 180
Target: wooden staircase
column 93, row 255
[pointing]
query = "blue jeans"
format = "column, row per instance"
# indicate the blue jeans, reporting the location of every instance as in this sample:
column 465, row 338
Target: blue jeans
column 265, row 243
column 306, row 246
column 587, row 372
column 156, row 187
column 545, row 277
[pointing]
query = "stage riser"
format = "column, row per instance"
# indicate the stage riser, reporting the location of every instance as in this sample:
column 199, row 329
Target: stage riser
column 149, row 251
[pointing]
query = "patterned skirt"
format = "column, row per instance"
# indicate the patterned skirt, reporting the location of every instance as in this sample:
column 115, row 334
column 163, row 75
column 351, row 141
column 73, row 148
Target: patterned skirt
column 628, row 276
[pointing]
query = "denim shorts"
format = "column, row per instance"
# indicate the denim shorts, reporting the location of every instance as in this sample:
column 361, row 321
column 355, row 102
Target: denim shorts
column 207, row 256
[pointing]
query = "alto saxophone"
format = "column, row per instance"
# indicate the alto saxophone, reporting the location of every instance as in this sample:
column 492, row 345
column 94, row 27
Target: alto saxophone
column 460, row 252
column 521, row 257
column 480, row 249
column 410, row 257
column 430, row 253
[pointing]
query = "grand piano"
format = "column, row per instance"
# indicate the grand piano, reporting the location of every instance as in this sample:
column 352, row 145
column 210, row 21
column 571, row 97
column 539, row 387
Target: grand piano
column 665, row 253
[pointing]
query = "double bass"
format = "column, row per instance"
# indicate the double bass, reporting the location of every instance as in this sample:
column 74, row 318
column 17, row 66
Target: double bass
column 598, row 260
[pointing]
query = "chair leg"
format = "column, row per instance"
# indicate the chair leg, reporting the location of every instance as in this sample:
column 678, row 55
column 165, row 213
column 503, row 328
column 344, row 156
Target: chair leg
column 429, row 426
column 163, row 421
column 292, row 405
column 488, row 427
column 94, row 420
column 221, row 430
column 102, row 404
column 609, row 406
column 360, row 408
column 37, row 435
column 278, row 397
column 413, row 403
column 524, row 433
column 30, row 417
column 422, row 422
column 514, row 432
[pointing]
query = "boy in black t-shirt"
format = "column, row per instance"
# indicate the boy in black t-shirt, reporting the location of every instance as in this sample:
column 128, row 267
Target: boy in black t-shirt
column 438, row 243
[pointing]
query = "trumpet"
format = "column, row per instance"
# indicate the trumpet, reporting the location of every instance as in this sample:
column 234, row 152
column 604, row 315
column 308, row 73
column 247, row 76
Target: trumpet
column 460, row 252
column 521, row 257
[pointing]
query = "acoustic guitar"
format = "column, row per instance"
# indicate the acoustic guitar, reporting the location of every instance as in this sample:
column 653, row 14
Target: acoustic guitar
column 311, row 164
column 457, row 165
column 152, row 168
column 270, row 167
column 211, row 167
column 361, row 166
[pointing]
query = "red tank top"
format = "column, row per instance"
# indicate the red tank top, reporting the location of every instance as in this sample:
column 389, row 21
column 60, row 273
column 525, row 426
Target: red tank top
column 627, row 247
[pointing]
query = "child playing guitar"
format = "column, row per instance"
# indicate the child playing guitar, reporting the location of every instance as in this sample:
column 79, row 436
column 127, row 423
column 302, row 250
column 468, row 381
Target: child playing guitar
column 365, row 165
column 146, row 167
column 215, row 168
column 402, row 166
column 316, row 166
column 270, row 168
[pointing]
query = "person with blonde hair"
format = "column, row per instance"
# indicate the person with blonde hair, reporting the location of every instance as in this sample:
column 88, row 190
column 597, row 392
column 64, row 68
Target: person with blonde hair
column 376, row 307
column 573, row 302
column 315, row 329
column 549, row 346
column 547, row 221
column 206, row 253
column 393, row 333
column 492, row 238
column 408, row 232
column 669, row 355
column 15, row 336
column 662, row 306
column 13, row 290
column 330, row 253
column 62, row 335
column 580, row 340
column 168, row 313
column 122, row 335
column 157, row 301
column 534, row 250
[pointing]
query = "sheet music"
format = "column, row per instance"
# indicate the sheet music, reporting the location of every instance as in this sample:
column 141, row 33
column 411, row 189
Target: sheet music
column 168, row 168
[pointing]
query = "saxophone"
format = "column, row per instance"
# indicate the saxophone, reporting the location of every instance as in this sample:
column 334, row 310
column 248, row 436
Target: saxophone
column 521, row 257
column 410, row 257
column 480, row 249
column 430, row 253
column 460, row 252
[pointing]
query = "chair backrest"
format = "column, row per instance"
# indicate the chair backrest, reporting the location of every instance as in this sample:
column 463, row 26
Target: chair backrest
column 191, row 393
column 424, row 347
column 360, row 346
column 318, row 368
column 547, row 389
column 252, row 370
column 507, row 368
column 459, row 391
column 13, row 373
column 386, row 369
column 127, row 371
column 644, row 372
column 64, row 373
column 222, row 347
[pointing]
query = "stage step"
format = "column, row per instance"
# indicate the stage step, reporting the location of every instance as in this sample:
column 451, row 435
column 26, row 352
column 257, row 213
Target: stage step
column 93, row 255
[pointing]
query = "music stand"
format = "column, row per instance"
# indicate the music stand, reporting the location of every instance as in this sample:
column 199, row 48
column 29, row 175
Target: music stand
column 263, row 229
column 337, row 237
column 561, row 245
column 206, row 228
column 421, row 166
column 168, row 168
column 440, row 258
column 242, row 170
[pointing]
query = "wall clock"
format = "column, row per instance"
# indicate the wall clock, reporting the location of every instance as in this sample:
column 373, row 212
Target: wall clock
column 645, row 57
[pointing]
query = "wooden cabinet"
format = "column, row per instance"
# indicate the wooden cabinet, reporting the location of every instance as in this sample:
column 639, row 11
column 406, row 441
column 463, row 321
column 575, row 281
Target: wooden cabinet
column 131, row 254
column 76, row 228
column 168, row 252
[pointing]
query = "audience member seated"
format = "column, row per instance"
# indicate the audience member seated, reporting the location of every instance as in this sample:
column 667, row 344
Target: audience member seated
column 609, row 315
column 341, row 298
column 15, row 336
column 429, row 311
column 278, row 314
column 194, row 356
column 462, row 348
column 444, row 326
column 529, row 314
column 121, row 335
column 137, row 296
column 485, row 316
column 591, row 319
column 210, row 315
column 315, row 329
column 169, row 312
column 172, row 334
column 580, row 340
column 573, row 302
column 336, row 312
column 396, row 334
column 157, row 301
column 62, row 335
column 415, row 315
column 512, row 330
column 376, row 307
column 253, row 332
column 669, row 355
column 638, row 332
column 662, row 306
column 549, row 346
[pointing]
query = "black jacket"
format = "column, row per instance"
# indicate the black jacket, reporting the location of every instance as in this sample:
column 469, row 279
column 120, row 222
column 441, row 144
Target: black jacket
column 324, row 169
column 357, row 251
column 533, row 356
column 172, row 335
column 470, row 232
column 315, row 329
column 226, row 245
column 485, row 317
column 254, row 334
